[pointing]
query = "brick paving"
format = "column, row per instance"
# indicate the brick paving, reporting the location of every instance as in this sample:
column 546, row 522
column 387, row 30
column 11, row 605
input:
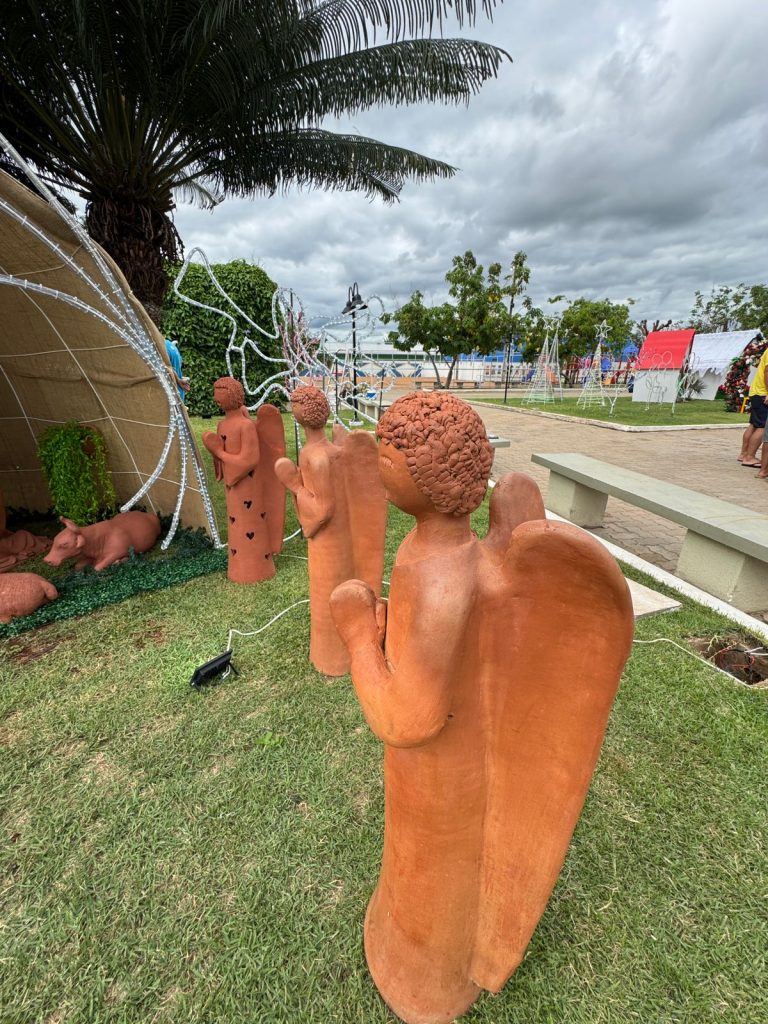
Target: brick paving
column 703, row 460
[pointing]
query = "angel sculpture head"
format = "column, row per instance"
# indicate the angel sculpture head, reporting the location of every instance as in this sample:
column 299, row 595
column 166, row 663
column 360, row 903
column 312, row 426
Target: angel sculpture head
column 434, row 454
column 310, row 407
column 228, row 394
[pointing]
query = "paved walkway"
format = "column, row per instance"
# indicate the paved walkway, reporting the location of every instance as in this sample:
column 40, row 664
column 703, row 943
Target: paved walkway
column 703, row 460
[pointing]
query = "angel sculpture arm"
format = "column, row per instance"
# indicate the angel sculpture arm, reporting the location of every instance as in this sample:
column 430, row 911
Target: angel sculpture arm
column 241, row 462
column 408, row 704
column 312, row 490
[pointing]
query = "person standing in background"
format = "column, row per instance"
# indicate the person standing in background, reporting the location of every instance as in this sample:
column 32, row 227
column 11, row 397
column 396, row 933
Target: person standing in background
column 758, row 415
column 174, row 356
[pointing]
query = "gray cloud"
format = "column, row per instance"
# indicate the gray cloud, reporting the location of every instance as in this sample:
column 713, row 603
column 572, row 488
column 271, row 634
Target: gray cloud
column 626, row 150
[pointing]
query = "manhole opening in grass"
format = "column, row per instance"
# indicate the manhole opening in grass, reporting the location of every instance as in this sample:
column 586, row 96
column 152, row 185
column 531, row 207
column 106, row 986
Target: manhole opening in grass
column 743, row 657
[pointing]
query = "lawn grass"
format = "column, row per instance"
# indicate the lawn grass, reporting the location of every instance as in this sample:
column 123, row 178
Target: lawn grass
column 206, row 857
column 633, row 413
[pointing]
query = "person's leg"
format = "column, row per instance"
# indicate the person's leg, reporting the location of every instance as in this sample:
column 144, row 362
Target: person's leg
column 763, row 474
column 746, row 437
column 757, row 418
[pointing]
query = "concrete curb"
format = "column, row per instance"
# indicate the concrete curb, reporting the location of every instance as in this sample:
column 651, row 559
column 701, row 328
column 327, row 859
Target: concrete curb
column 602, row 423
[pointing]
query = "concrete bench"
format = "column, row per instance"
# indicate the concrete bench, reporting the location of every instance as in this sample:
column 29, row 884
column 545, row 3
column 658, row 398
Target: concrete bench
column 725, row 549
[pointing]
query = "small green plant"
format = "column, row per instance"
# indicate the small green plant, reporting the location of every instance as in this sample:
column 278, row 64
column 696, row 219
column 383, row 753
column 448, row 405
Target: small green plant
column 270, row 740
column 74, row 461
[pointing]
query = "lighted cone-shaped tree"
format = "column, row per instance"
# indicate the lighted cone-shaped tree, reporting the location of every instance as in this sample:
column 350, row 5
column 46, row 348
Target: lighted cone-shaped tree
column 490, row 685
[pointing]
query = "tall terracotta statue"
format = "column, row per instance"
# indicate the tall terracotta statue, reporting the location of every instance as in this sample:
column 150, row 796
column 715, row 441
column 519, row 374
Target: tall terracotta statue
column 16, row 546
column 342, row 509
column 244, row 454
column 491, row 694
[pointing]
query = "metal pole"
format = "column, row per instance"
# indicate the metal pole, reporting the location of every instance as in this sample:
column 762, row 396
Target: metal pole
column 506, row 371
column 354, row 363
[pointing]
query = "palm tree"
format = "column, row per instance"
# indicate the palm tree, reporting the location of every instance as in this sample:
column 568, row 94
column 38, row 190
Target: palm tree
column 133, row 104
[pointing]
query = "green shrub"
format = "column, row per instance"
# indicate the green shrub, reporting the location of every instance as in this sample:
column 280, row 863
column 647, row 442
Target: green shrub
column 74, row 461
column 202, row 336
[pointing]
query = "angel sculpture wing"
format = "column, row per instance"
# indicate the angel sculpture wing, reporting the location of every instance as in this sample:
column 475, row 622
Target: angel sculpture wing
column 366, row 504
column 269, row 424
column 554, row 627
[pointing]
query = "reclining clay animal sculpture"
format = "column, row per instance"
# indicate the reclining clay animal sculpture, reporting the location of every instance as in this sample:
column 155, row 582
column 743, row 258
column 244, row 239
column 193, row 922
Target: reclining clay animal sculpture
column 244, row 454
column 106, row 543
column 342, row 509
column 22, row 593
column 491, row 694
column 16, row 546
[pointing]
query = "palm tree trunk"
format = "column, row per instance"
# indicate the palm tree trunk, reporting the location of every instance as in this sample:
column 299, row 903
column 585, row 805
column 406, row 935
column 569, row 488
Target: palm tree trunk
column 140, row 239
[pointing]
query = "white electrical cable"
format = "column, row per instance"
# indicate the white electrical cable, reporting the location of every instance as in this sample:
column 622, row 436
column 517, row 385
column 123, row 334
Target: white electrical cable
column 685, row 650
column 255, row 632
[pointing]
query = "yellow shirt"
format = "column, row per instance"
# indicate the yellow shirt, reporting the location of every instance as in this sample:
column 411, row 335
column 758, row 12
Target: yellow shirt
column 757, row 387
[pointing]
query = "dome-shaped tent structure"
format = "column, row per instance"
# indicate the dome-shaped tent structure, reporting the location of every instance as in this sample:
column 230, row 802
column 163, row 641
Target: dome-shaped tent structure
column 76, row 345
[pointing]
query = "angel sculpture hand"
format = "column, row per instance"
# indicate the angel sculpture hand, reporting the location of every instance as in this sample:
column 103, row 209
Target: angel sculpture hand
column 500, row 663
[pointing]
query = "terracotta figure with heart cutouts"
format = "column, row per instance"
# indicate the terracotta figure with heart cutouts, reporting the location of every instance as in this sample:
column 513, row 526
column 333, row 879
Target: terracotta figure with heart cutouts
column 244, row 453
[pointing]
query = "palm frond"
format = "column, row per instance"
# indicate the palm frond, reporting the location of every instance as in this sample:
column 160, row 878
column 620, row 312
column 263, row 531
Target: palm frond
column 412, row 71
column 192, row 190
column 314, row 158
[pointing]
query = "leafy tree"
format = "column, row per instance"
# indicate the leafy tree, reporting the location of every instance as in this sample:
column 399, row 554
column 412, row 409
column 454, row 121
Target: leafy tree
column 753, row 311
column 203, row 336
column 719, row 311
column 478, row 321
column 135, row 103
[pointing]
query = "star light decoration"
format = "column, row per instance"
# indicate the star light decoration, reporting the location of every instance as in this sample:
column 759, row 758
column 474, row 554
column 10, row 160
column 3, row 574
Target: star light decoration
column 592, row 393
column 547, row 379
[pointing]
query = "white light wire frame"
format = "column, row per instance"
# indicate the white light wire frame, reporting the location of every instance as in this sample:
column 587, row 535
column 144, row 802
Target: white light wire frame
column 316, row 352
column 124, row 322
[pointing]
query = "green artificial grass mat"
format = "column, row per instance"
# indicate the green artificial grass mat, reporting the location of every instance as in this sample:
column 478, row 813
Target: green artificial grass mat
column 695, row 413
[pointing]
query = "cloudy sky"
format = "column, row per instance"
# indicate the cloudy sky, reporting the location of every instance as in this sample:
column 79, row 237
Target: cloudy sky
column 625, row 150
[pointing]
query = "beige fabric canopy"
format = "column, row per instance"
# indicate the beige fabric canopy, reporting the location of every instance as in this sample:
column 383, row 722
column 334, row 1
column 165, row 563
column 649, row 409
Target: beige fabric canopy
column 58, row 362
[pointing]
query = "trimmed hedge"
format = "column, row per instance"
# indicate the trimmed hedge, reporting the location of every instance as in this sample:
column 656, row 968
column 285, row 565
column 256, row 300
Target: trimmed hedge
column 190, row 554
column 202, row 336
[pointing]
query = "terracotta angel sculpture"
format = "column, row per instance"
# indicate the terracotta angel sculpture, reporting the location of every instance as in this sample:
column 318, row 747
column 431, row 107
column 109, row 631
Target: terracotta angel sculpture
column 244, row 454
column 491, row 694
column 342, row 509
column 16, row 546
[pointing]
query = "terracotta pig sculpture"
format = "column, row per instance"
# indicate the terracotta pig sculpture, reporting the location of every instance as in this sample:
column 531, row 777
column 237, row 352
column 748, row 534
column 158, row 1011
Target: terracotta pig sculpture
column 489, row 679
column 19, row 545
column 22, row 593
column 106, row 543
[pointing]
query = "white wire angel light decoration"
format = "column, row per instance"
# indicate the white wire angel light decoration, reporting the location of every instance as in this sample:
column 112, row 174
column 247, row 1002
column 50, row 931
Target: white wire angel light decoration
column 323, row 355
